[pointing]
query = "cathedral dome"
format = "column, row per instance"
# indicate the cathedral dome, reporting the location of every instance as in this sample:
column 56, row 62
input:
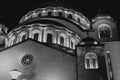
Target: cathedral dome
column 57, row 10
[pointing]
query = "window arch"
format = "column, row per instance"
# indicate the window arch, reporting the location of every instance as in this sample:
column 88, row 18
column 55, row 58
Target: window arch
column 11, row 41
column 49, row 35
column 49, row 38
column 60, row 14
column 39, row 14
column 36, row 36
column 23, row 36
column 62, row 40
column 104, row 31
column 72, row 44
column 78, row 20
column 49, row 13
column 109, row 65
column 91, row 61
column 70, row 16
column 14, row 40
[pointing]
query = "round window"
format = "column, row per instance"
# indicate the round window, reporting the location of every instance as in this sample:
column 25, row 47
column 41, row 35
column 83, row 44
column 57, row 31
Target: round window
column 27, row 60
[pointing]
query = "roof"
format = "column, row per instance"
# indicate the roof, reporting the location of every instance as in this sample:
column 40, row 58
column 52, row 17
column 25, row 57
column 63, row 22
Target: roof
column 88, row 41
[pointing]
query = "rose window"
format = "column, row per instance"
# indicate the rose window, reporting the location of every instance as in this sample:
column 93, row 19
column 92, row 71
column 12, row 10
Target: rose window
column 27, row 59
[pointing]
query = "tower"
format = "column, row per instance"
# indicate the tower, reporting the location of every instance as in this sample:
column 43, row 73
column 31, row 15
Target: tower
column 104, row 28
column 91, row 63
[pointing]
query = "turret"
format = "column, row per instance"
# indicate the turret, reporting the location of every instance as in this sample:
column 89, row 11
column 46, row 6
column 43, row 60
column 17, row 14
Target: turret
column 104, row 28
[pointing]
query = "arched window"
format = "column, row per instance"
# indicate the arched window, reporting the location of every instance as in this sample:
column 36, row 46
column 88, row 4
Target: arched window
column 49, row 13
column 23, row 37
column 14, row 41
column 104, row 31
column 39, row 14
column 36, row 35
column 72, row 44
column 49, row 38
column 61, row 40
column 87, row 62
column 60, row 14
column 91, row 61
column 109, row 65
column 78, row 20
column 70, row 16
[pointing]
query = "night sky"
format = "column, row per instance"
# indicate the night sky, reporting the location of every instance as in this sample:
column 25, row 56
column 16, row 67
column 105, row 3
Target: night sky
column 12, row 10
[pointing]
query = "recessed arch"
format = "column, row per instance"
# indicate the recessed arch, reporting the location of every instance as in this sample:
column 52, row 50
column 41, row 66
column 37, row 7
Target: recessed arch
column 65, row 37
column 104, row 31
column 72, row 43
column 91, row 61
column 23, row 35
column 12, row 40
column 60, row 14
column 49, row 33
column 36, row 34
column 49, row 13
column 70, row 16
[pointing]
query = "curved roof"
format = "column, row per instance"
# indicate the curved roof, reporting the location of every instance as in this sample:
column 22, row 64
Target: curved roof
column 88, row 41
column 76, row 17
column 102, row 16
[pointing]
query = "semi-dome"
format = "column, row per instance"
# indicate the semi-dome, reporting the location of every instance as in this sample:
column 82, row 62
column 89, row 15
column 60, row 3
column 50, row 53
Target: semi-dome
column 88, row 41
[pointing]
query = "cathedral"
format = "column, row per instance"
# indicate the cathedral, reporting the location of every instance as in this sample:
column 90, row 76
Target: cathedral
column 59, row 43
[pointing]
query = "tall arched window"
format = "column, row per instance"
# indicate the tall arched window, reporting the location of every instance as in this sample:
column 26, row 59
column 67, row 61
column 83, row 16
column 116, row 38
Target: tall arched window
column 49, row 13
column 72, row 44
column 23, row 37
column 61, row 40
column 91, row 61
column 14, row 40
column 39, row 14
column 60, row 14
column 104, row 31
column 70, row 16
column 109, row 65
column 36, row 36
column 49, row 38
column 78, row 20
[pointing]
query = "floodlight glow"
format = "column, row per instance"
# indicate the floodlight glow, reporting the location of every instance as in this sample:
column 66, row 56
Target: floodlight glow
column 15, row 73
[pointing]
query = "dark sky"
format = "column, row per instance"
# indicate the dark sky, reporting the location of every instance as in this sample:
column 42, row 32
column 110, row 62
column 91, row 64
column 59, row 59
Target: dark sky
column 12, row 10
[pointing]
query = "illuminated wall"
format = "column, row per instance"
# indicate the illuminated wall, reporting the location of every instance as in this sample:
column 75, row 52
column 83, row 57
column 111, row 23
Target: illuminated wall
column 114, row 49
column 98, row 72
column 48, row 63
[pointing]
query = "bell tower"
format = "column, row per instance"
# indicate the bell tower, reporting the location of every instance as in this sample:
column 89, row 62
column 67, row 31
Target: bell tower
column 104, row 28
